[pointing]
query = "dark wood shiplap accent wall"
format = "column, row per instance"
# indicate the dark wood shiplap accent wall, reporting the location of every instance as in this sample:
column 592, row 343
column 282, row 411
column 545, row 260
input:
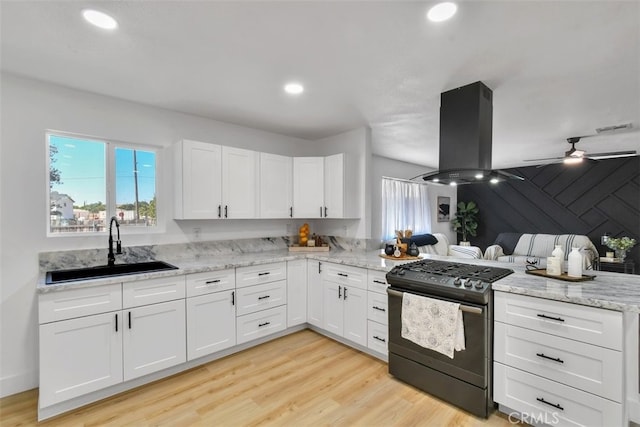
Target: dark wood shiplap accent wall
column 591, row 198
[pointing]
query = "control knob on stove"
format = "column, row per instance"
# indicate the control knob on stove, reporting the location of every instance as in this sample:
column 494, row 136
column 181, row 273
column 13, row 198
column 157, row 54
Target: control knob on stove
column 467, row 283
column 479, row 285
column 457, row 281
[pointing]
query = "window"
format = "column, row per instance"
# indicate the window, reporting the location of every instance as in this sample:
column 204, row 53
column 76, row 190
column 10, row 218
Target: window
column 92, row 180
column 405, row 206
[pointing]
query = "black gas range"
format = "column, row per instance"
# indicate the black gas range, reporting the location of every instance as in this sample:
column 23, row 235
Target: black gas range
column 466, row 379
column 461, row 281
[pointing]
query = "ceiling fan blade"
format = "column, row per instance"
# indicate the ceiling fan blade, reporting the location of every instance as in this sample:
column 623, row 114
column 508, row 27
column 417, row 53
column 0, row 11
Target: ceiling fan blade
column 541, row 160
column 612, row 155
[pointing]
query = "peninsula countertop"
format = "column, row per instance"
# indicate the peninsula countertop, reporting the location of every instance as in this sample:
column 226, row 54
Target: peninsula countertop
column 613, row 291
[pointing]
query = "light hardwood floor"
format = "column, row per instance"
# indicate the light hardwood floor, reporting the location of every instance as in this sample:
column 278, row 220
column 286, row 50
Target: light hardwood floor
column 303, row 379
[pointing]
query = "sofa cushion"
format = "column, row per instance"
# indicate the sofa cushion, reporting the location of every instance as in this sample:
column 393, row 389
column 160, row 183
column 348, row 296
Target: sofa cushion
column 507, row 241
column 424, row 239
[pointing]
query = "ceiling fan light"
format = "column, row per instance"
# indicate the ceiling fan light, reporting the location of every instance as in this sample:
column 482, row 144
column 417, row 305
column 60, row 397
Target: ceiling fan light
column 442, row 11
column 572, row 160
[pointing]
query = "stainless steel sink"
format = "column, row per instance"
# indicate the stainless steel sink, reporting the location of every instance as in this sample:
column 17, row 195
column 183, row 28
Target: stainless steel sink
column 61, row 276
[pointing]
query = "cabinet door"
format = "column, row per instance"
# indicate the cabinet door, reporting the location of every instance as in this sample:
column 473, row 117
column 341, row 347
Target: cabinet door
column 198, row 180
column 333, row 307
column 334, row 186
column 79, row 356
column 314, row 293
column 296, row 292
column 355, row 314
column 276, row 186
column 211, row 323
column 154, row 338
column 239, row 189
column 308, row 187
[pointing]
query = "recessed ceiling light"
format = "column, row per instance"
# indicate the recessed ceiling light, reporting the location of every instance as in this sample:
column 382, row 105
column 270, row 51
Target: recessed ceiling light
column 294, row 88
column 436, row 180
column 453, row 183
column 494, row 180
column 442, row 11
column 100, row 19
column 479, row 176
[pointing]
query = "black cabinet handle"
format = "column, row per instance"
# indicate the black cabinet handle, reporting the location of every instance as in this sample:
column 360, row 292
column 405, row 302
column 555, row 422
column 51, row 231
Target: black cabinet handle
column 555, row 359
column 129, row 320
column 233, row 297
column 291, row 212
column 345, row 292
column 226, row 211
column 379, row 308
column 320, row 211
column 219, row 211
column 116, row 322
column 264, row 297
column 555, row 405
column 379, row 282
column 343, row 275
column 325, row 211
column 379, row 339
column 209, row 282
column 260, row 325
column 339, row 292
column 319, row 265
column 264, row 274
column 544, row 316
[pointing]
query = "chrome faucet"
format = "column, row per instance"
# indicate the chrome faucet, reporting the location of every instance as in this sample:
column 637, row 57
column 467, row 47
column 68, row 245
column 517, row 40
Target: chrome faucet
column 111, row 257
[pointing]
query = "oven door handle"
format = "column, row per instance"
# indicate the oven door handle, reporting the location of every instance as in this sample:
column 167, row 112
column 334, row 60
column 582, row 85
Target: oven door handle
column 465, row 308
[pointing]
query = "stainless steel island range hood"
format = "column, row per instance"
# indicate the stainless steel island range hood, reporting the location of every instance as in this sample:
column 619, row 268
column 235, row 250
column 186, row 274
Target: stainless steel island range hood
column 466, row 124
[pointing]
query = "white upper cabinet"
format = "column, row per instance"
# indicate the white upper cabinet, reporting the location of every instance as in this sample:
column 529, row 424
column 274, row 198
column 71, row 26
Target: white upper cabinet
column 198, row 184
column 276, row 186
column 334, row 186
column 239, row 183
column 308, row 187
column 214, row 181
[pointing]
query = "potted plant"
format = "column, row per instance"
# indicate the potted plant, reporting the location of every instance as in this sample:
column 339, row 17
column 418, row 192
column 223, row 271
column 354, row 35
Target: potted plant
column 466, row 221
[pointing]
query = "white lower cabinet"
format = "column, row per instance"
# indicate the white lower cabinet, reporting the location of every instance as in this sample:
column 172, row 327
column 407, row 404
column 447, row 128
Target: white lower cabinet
column 79, row 356
column 211, row 312
column 260, row 324
column 550, row 402
column 558, row 363
column 296, row 292
column 154, row 338
column 314, row 293
column 377, row 312
column 211, row 323
column 345, row 304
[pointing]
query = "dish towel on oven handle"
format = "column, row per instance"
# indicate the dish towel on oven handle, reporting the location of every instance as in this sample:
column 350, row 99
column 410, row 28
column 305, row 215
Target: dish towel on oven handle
column 433, row 324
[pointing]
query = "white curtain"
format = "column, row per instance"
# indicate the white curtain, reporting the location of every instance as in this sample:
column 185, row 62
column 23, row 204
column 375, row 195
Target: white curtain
column 405, row 206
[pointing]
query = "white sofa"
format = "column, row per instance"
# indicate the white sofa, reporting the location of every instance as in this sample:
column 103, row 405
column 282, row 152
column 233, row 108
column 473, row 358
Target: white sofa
column 442, row 247
column 535, row 248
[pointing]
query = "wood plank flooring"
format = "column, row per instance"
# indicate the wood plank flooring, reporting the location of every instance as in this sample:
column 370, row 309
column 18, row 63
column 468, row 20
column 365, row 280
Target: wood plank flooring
column 303, row 379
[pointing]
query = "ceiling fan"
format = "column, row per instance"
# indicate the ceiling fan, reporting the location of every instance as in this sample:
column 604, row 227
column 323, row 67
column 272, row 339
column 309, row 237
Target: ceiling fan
column 574, row 155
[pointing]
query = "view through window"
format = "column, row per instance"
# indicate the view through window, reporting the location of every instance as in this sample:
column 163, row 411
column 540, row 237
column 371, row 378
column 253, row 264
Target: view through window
column 90, row 181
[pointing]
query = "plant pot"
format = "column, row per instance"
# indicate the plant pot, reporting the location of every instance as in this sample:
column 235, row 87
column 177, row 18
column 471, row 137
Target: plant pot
column 465, row 243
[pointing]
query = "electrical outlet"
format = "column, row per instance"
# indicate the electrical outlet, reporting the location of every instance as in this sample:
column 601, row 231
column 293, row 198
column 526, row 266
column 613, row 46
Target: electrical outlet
column 344, row 230
column 196, row 233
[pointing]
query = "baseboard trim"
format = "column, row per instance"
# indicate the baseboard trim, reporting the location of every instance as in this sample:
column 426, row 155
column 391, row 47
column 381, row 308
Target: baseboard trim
column 17, row 383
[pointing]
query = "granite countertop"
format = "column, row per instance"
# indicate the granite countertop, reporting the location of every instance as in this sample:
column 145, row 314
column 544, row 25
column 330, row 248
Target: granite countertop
column 614, row 291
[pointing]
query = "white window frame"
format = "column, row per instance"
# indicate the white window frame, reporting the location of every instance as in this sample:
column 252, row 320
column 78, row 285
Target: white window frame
column 110, row 179
column 423, row 209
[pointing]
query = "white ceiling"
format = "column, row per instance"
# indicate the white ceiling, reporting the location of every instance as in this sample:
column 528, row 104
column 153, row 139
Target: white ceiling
column 557, row 68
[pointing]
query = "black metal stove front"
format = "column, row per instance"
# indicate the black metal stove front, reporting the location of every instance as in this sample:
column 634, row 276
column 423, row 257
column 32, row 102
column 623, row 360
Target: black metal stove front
column 465, row 380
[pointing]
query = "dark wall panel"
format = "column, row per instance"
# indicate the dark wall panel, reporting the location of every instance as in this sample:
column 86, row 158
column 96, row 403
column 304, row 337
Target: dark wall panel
column 591, row 198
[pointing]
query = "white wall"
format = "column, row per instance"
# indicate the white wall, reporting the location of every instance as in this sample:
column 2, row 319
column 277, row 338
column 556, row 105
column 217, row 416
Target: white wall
column 382, row 166
column 29, row 108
